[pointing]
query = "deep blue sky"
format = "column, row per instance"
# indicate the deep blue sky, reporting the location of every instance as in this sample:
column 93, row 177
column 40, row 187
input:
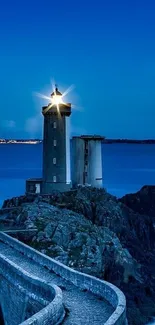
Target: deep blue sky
column 106, row 49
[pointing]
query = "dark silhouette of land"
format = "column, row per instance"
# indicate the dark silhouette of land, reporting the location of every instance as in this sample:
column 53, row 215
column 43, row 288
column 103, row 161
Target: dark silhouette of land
column 148, row 141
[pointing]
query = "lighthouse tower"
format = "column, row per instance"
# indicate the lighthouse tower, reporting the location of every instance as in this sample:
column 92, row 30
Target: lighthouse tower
column 56, row 151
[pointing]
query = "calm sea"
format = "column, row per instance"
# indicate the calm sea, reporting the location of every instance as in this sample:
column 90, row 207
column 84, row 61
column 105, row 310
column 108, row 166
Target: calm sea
column 127, row 167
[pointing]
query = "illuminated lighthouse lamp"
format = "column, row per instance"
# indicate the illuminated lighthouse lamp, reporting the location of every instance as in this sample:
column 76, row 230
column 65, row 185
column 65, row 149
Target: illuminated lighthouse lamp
column 57, row 97
column 56, row 100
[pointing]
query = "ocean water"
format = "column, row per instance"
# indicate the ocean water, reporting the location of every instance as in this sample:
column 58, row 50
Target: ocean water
column 126, row 167
column 17, row 163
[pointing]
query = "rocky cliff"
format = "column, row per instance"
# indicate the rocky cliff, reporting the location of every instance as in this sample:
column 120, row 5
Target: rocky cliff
column 92, row 231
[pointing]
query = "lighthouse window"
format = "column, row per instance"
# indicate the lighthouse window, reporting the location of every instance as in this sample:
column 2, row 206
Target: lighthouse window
column 54, row 179
column 54, row 161
column 54, row 125
column 86, row 167
column 54, row 143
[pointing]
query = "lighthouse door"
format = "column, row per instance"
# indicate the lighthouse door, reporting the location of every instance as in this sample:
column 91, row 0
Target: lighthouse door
column 37, row 188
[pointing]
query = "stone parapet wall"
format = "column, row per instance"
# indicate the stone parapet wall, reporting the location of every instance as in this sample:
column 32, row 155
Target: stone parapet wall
column 99, row 287
column 22, row 234
column 47, row 296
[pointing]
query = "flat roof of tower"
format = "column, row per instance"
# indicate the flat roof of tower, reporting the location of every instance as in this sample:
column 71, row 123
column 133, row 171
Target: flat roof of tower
column 90, row 137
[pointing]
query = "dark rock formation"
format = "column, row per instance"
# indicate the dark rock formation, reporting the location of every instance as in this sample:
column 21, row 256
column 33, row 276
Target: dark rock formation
column 92, row 231
column 142, row 202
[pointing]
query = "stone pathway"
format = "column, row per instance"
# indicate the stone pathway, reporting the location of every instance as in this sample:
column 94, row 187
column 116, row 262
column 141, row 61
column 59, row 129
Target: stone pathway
column 84, row 307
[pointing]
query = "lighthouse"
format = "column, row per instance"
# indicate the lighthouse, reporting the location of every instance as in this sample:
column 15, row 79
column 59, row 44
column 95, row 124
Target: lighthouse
column 56, row 148
column 56, row 145
column 87, row 158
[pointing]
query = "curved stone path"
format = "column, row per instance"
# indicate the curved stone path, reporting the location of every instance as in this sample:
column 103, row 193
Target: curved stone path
column 84, row 307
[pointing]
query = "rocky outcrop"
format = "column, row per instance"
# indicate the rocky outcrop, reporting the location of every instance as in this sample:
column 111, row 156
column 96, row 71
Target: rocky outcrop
column 92, row 231
column 142, row 202
column 72, row 239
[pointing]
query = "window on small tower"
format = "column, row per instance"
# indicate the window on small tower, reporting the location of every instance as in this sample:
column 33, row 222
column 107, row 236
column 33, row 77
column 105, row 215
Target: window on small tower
column 54, row 143
column 54, row 179
column 55, row 125
column 54, row 161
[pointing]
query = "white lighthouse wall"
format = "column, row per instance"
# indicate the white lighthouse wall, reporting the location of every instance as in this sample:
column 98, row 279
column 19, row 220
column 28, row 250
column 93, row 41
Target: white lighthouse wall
column 95, row 163
column 68, row 166
column 77, row 161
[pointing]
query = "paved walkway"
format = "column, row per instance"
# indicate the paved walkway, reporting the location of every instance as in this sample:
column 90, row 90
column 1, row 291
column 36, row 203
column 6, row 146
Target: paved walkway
column 84, row 307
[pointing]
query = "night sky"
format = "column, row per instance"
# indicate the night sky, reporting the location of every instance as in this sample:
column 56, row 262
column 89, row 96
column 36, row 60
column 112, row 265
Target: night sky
column 105, row 48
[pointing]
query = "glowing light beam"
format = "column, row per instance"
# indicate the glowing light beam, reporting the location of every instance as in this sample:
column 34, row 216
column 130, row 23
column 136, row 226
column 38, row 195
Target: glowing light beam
column 42, row 96
column 68, row 90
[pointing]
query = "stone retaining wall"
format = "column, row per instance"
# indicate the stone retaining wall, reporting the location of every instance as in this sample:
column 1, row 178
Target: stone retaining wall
column 24, row 288
column 99, row 287
column 22, row 234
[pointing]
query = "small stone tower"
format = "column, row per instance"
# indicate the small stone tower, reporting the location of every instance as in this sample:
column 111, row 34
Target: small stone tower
column 56, row 149
column 87, row 160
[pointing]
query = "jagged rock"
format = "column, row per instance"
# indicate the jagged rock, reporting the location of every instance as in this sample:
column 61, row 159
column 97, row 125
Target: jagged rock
column 142, row 202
